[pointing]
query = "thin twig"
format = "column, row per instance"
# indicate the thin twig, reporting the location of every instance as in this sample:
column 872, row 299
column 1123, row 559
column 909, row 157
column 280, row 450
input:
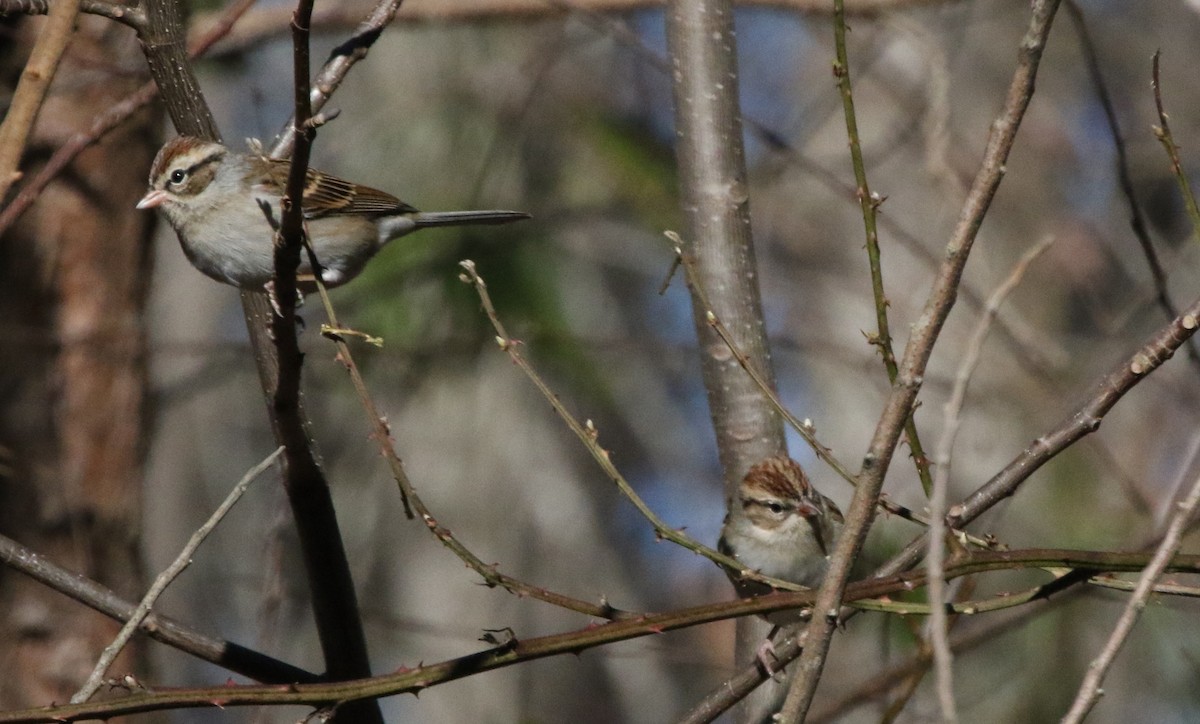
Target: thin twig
column 1083, row 421
column 1163, row 132
column 588, row 435
column 164, row 579
column 937, row 502
column 489, row 571
column 341, row 60
column 134, row 17
column 378, row 423
column 219, row 652
column 1089, row 690
column 869, row 204
column 1137, row 221
column 685, row 259
column 31, row 88
column 916, row 357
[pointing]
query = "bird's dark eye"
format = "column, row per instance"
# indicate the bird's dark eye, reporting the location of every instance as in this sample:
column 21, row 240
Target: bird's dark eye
column 178, row 175
column 775, row 508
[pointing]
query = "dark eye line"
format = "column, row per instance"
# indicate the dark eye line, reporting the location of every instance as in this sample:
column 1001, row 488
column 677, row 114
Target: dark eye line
column 775, row 506
column 189, row 170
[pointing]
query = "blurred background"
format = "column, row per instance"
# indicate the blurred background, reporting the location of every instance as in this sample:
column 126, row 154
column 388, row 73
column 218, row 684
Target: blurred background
column 566, row 113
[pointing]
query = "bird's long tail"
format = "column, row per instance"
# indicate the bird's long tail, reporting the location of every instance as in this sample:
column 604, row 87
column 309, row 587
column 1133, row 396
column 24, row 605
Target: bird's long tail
column 426, row 219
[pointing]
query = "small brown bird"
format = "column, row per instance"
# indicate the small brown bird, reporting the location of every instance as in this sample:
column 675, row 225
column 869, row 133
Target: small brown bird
column 212, row 196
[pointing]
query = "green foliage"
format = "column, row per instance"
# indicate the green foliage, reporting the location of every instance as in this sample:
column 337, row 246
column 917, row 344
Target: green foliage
column 410, row 293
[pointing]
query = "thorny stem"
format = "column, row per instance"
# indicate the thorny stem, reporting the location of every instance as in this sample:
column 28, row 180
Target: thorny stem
column 515, row 650
column 412, row 501
column 869, row 203
column 916, row 357
column 1163, row 133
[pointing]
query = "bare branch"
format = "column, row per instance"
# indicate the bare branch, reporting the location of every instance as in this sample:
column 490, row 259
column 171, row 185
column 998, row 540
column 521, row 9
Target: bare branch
column 223, row 653
column 1083, row 564
column 134, row 17
column 164, row 579
column 1083, row 421
column 941, row 481
column 869, row 203
column 1163, row 132
column 1089, row 690
column 31, row 89
column 1137, row 221
column 490, row 572
column 589, row 436
column 916, row 356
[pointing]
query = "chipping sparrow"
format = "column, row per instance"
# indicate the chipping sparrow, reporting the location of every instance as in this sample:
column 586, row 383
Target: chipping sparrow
column 211, row 195
column 780, row 526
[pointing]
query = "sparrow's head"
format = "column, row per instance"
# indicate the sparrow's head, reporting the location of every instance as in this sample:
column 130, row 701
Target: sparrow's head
column 182, row 170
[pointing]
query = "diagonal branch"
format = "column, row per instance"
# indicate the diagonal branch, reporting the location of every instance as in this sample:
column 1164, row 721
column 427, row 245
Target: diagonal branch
column 31, row 89
column 589, row 436
column 1083, row 421
column 916, row 356
column 182, row 561
column 1089, row 691
column 490, row 572
column 225, row 654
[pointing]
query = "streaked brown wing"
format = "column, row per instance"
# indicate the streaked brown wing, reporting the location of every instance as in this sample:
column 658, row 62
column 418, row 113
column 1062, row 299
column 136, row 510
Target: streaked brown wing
column 326, row 195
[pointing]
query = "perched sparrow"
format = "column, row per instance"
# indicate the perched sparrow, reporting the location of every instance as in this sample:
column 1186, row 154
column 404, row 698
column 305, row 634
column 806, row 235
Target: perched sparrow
column 212, row 197
column 780, row 526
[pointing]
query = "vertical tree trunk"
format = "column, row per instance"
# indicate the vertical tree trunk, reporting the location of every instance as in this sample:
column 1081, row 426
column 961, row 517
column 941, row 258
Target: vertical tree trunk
column 716, row 205
column 72, row 372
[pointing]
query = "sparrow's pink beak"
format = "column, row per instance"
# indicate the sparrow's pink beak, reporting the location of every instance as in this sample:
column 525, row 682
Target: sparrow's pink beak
column 153, row 199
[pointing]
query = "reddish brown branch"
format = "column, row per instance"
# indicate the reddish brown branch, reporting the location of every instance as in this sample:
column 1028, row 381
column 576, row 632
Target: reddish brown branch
column 405, row 680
